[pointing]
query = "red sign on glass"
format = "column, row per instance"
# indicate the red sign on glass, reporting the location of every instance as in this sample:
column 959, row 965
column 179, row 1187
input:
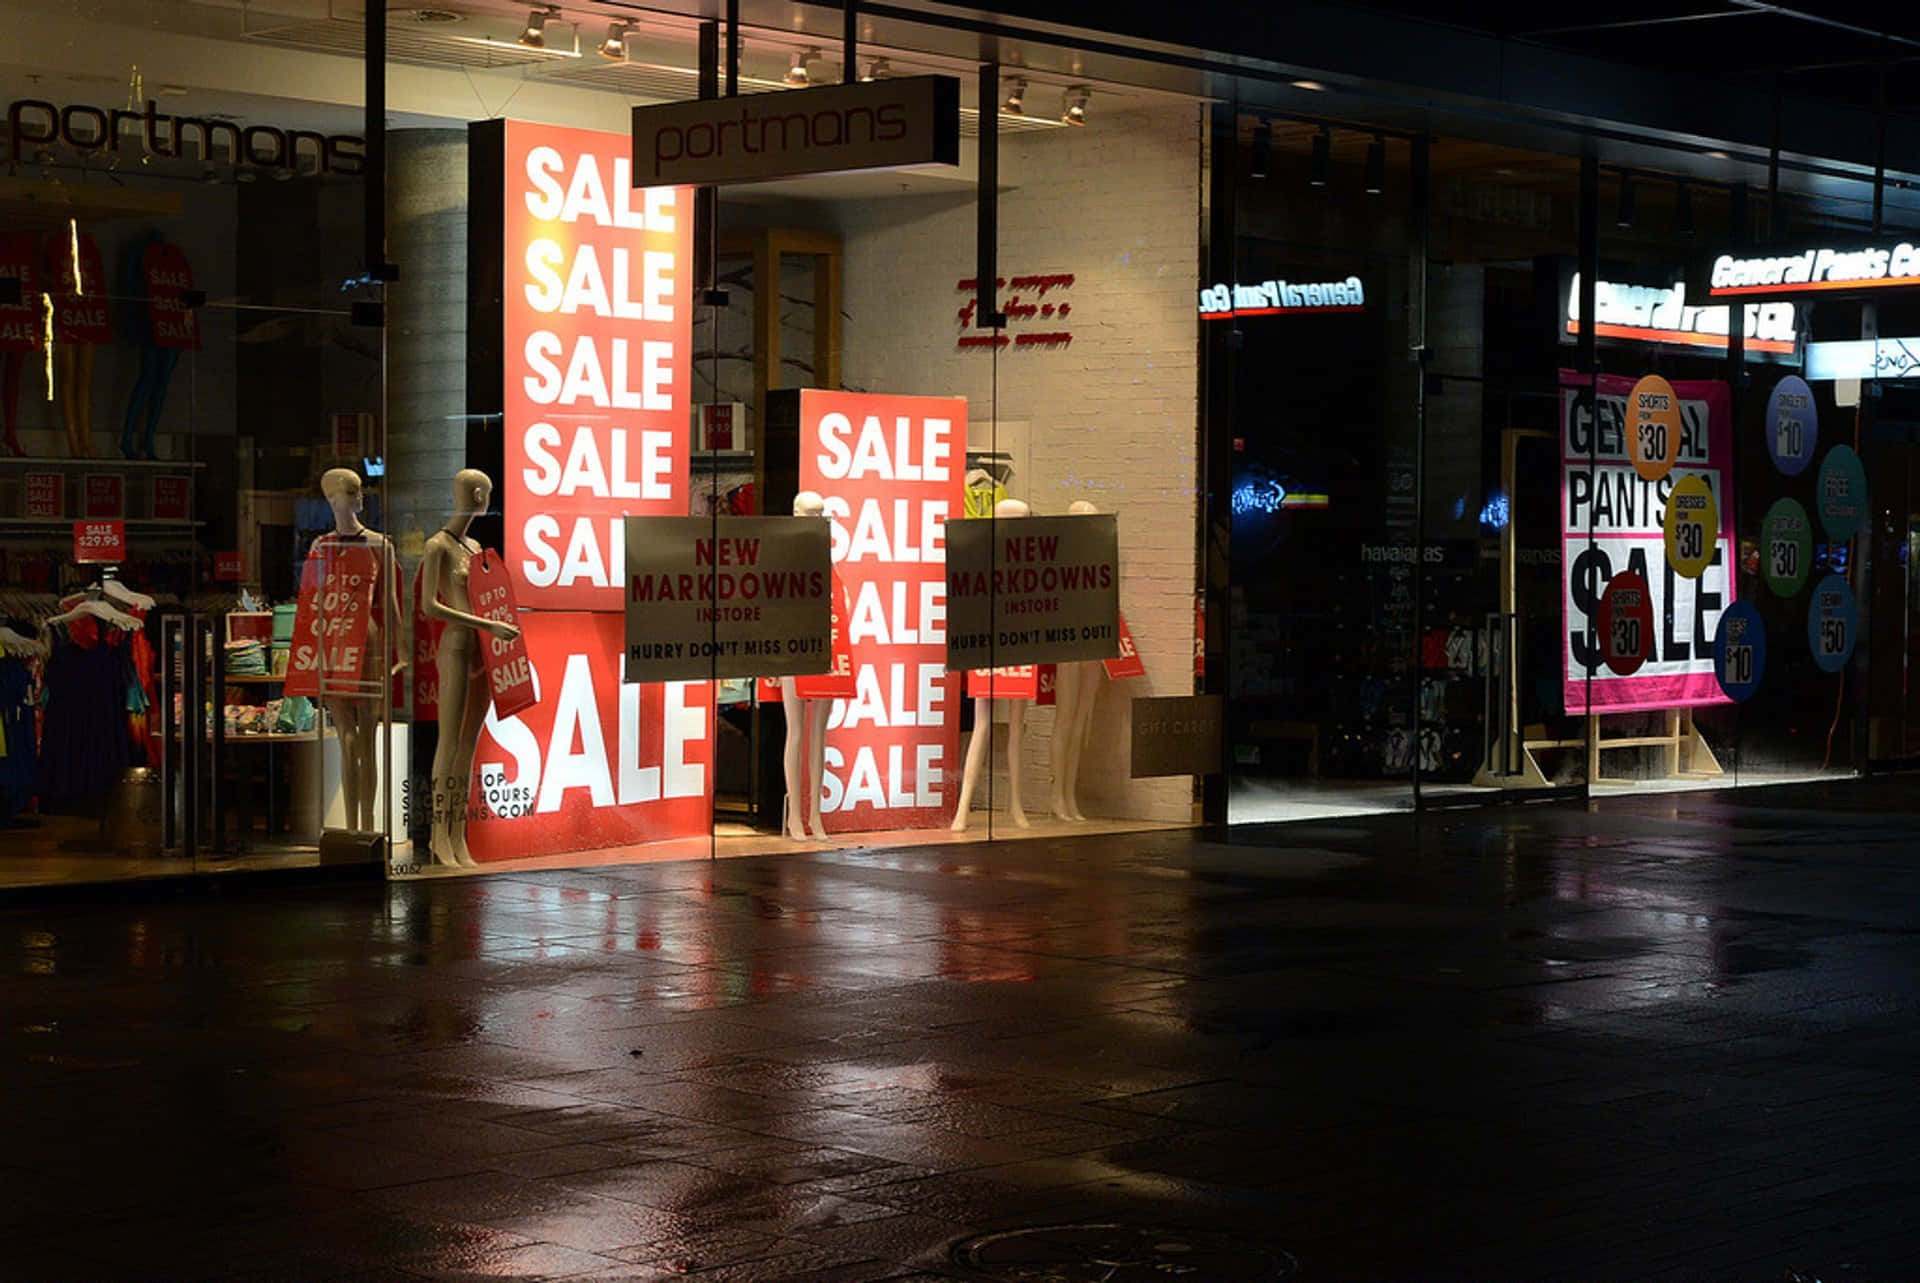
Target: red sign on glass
column 597, row 337
column 99, row 541
column 229, row 565
column 595, row 762
column 169, row 279
column 1127, row 663
column 46, row 494
column 330, row 622
column 21, row 324
column 1017, row 681
column 170, row 501
column 890, row 469
column 509, row 674
column 426, row 653
column 103, row 495
column 80, row 312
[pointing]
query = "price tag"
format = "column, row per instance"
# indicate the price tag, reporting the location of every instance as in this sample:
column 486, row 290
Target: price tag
column 99, row 542
column 509, row 670
column 1740, row 651
column 1653, row 427
column 229, row 565
column 1841, row 493
column 1793, row 425
column 1626, row 623
column 426, row 654
column 838, row 682
column 1128, row 662
column 1016, row 681
column 1691, row 523
column 46, row 494
column 1786, row 547
column 1832, row 624
column 103, row 495
column 331, row 620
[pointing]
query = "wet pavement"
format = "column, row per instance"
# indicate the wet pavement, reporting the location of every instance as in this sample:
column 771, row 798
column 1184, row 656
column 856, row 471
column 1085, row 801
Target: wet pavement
column 1670, row 1037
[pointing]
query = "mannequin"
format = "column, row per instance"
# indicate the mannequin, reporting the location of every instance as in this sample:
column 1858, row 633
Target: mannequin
column 1074, row 687
column 983, row 729
column 806, row 751
column 21, row 326
column 356, row 714
column 81, row 327
column 157, row 272
column 464, row 693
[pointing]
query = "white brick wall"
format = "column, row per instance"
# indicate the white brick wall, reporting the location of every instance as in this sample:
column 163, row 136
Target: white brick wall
column 1113, row 415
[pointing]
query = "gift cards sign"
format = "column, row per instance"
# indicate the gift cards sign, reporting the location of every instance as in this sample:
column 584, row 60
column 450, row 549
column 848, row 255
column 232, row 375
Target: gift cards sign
column 595, row 332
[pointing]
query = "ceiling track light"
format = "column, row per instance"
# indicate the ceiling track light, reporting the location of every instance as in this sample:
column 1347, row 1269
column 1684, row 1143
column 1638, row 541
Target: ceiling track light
column 1016, row 103
column 535, row 35
column 1376, row 166
column 1073, row 105
column 1683, row 210
column 1262, row 150
column 798, row 77
column 615, row 45
column 1623, row 215
column 879, row 69
column 1322, row 157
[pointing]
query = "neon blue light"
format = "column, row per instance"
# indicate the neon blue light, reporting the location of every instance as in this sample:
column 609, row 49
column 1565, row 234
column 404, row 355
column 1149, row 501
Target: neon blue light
column 1258, row 496
column 1496, row 513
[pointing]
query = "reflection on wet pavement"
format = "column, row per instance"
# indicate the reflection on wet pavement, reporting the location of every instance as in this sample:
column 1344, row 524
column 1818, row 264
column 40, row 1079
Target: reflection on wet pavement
column 1670, row 1036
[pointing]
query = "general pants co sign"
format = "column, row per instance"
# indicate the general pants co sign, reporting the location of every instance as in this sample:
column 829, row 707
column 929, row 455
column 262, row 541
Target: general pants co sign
column 878, row 124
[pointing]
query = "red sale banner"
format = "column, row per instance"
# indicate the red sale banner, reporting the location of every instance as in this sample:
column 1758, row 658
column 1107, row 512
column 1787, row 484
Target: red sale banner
column 1017, row 681
column 1127, row 663
column 99, row 541
column 595, row 762
column 170, row 498
column 46, row 494
column 509, row 675
column 169, row 277
column 21, row 324
column 1049, row 679
column 426, row 655
column 330, row 622
column 890, row 469
column 228, row 564
column 596, row 343
column 103, row 496
column 80, row 312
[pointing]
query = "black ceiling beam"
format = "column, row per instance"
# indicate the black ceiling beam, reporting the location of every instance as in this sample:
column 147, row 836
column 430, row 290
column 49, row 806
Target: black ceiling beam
column 1625, row 24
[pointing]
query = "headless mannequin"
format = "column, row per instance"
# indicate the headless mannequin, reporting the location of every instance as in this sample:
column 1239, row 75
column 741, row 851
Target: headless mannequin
column 983, row 729
column 356, row 718
column 806, row 752
column 1074, row 686
column 464, row 693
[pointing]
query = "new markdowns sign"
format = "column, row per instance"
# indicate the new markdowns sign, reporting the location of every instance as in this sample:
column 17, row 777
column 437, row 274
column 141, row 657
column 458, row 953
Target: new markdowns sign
column 834, row 129
column 1613, row 522
column 1032, row 590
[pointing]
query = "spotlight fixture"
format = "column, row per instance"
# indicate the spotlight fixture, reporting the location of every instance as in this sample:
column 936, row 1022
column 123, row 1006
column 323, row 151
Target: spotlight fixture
column 1322, row 155
column 1683, row 210
column 1623, row 216
column 615, row 45
column 1262, row 150
column 535, row 35
column 879, row 69
column 1073, row 105
column 1016, row 103
column 798, row 77
column 1376, row 166
column 1312, row 86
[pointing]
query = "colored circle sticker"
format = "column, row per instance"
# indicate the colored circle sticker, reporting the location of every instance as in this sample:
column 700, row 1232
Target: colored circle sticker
column 1626, row 623
column 1740, row 651
column 1653, row 427
column 1793, row 425
column 1786, row 547
column 1841, row 493
column 1832, row 622
column 1693, row 519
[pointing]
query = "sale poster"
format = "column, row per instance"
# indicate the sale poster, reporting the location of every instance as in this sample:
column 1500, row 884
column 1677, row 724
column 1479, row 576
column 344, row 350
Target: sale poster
column 331, row 620
column 21, row 324
column 1026, row 590
column 509, row 674
column 172, row 498
column 596, row 351
column 46, row 494
column 426, row 653
column 103, row 495
column 891, row 470
column 1614, row 521
column 594, row 761
column 1128, row 662
column 99, row 541
column 77, row 281
column 169, row 280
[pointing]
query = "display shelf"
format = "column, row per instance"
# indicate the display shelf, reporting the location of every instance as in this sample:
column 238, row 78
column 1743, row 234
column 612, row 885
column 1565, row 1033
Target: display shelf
column 249, row 679
column 103, row 464
column 57, row 524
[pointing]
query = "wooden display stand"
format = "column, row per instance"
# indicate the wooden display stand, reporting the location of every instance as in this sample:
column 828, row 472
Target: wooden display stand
column 1688, row 756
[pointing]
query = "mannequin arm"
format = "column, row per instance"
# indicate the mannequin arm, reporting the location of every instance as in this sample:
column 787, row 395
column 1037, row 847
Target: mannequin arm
column 434, row 608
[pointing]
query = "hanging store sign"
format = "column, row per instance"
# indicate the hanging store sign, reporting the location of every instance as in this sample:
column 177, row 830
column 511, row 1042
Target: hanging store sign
column 891, row 470
column 595, row 324
column 32, row 123
column 1661, row 314
column 1032, row 590
column 1614, row 521
column 832, row 129
column 739, row 597
column 1281, row 298
column 1889, row 264
column 99, row 542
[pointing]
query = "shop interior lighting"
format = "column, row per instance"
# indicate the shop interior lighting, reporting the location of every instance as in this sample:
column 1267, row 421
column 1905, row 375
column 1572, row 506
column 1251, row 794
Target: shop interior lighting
column 615, row 45
column 879, row 69
column 1073, row 105
column 1262, row 150
column 1623, row 215
column 798, row 77
column 1312, row 86
column 1016, row 103
column 1683, row 210
column 535, row 35
column 1322, row 157
column 1376, row 166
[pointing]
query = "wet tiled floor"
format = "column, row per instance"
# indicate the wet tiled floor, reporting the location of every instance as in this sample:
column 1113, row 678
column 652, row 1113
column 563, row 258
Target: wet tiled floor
column 1667, row 1037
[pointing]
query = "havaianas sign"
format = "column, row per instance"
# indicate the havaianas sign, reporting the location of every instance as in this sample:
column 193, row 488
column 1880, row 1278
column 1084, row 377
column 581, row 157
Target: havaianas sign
column 833, row 129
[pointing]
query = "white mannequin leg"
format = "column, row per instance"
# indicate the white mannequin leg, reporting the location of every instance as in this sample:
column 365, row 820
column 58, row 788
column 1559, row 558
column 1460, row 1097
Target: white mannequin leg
column 817, row 712
column 449, row 785
column 354, row 724
column 794, row 809
column 1016, row 731
column 976, row 753
column 1076, row 685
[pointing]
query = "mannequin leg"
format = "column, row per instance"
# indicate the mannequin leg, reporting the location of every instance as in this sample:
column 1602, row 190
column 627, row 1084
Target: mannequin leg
column 169, row 361
column 793, row 760
column 479, row 696
column 1086, row 683
column 1066, row 712
column 1016, row 731
column 449, row 797
column 817, row 711
column 349, row 728
column 976, row 753
column 137, row 399
column 66, row 371
column 11, row 363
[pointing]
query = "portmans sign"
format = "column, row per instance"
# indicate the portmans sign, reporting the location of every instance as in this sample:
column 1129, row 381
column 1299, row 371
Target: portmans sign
column 34, row 123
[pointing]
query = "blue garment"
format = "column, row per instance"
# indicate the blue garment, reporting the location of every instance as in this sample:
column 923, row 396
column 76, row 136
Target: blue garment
column 84, row 744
